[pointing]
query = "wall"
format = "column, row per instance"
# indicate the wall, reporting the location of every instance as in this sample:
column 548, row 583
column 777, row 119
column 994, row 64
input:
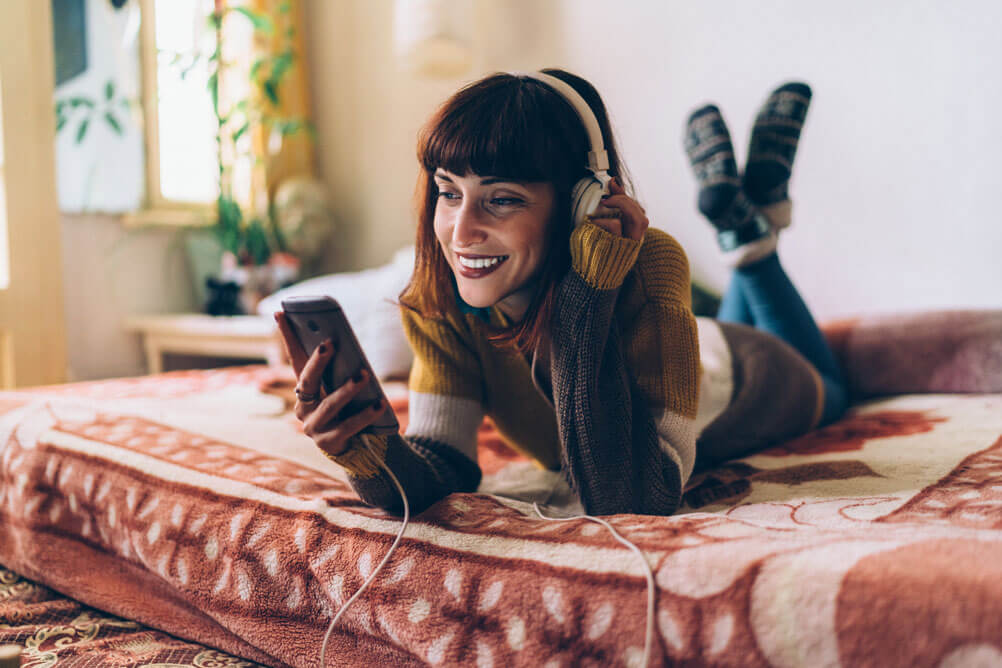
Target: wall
column 368, row 110
column 109, row 273
column 896, row 178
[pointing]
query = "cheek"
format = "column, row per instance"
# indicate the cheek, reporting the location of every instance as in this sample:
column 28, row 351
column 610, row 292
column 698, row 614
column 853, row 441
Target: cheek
column 443, row 230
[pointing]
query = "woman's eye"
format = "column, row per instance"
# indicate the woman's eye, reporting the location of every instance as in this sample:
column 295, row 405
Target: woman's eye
column 506, row 201
column 444, row 194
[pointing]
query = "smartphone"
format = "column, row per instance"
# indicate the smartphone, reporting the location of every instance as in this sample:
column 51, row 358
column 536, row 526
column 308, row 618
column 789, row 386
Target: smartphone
column 316, row 319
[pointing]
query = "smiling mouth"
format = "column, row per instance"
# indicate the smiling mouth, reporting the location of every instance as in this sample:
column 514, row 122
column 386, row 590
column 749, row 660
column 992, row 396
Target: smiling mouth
column 478, row 266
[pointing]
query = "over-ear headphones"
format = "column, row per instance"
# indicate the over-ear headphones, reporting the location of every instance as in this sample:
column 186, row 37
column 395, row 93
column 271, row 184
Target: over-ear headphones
column 587, row 192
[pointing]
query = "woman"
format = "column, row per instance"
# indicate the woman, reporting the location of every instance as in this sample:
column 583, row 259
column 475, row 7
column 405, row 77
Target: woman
column 577, row 339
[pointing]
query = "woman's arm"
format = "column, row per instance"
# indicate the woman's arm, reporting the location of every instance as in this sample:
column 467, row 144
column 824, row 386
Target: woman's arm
column 428, row 470
column 618, row 455
column 437, row 456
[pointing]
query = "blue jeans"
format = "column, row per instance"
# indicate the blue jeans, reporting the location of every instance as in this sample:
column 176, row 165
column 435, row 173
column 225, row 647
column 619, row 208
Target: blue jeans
column 761, row 295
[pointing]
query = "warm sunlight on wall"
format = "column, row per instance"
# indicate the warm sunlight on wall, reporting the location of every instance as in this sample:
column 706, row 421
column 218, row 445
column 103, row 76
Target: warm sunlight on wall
column 4, row 257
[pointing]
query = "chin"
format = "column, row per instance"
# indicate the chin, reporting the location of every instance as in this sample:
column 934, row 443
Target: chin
column 478, row 299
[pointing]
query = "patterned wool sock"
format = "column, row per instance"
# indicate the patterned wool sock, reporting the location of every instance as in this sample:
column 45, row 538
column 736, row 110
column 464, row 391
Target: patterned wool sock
column 772, row 149
column 743, row 234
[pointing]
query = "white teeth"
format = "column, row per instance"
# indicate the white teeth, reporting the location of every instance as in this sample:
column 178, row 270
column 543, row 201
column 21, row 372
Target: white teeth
column 478, row 263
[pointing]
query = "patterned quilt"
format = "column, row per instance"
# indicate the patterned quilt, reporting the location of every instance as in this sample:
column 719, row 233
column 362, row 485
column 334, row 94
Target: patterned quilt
column 191, row 503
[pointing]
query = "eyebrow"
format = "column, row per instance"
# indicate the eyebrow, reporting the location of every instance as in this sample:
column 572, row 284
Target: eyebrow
column 485, row 181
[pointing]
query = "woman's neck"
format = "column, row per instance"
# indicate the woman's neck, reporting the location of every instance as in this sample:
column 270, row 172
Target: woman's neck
column 515, row 305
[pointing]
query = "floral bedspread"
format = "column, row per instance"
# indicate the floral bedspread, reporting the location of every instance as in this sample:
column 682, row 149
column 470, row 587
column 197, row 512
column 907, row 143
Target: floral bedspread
column 191, row 503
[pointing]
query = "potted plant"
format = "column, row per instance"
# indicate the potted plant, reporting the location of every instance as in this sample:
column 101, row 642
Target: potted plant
column 256, row 252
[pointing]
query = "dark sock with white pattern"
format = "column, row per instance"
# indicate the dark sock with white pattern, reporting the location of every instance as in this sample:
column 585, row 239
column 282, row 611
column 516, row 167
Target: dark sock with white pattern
column 773, row 143
column 721, row 199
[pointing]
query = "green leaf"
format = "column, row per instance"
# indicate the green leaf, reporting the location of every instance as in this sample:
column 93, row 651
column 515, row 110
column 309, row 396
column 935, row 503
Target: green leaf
column 60, row 122
column 257, row 242
column 113, row 122
column 109, row 90
column 280, row 65
column 255, row 67
column 284, row 7
column 259, row 21
column 271, row 91
column 213, row 86
column 81, row 102
column 240, row 132
column 82, row 130
column 230, row 215
column 291, row 127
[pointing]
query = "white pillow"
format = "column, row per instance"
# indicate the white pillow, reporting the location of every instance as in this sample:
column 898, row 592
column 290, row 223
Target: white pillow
column 367, row 298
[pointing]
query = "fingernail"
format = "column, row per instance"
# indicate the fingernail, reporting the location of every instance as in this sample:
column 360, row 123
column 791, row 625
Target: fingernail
column 322, row 349
column 277, row 315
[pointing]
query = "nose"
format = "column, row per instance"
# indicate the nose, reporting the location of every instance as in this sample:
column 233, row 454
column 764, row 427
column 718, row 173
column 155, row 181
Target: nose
column 468, row 229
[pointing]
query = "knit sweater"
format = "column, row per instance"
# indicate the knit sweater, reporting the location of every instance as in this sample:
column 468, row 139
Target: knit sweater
column 610, row 400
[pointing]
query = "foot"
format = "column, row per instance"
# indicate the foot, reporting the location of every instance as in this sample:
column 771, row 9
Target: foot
column 743, row 234
column 772, row 149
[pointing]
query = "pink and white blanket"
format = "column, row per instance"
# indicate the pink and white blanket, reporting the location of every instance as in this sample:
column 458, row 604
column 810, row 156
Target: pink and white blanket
column 192, row 503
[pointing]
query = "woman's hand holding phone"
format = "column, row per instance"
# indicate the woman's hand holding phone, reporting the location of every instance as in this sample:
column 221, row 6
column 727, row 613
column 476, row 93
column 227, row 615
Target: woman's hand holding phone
column 316, row 409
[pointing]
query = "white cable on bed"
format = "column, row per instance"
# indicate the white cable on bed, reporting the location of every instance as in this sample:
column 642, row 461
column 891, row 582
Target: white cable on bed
column 649, row 636
column 648, row 573
column 372, row 576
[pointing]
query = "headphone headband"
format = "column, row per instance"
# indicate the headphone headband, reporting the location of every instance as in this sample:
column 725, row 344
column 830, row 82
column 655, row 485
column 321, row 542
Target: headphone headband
column 598, row 158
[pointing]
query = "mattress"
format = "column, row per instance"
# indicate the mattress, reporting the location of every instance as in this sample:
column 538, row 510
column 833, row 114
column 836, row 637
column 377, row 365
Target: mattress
column 190, row 509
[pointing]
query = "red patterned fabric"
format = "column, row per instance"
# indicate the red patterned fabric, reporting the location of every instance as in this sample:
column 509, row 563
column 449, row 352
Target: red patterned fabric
column 193, row 504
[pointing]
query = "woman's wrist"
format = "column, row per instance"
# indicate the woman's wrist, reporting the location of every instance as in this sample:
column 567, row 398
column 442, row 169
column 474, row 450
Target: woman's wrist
column 360, row 460
column 601, row 258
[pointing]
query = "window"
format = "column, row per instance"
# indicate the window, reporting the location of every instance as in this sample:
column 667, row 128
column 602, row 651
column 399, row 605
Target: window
column 182, row 128
column 182, row 170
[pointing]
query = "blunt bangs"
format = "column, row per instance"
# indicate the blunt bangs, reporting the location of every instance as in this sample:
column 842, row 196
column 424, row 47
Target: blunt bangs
column 508, row 127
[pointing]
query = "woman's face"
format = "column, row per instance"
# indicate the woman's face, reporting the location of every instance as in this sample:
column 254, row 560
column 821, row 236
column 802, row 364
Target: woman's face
column 494, row 234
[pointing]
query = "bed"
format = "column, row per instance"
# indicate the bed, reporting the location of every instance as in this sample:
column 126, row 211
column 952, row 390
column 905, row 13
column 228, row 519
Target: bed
column 184, row 519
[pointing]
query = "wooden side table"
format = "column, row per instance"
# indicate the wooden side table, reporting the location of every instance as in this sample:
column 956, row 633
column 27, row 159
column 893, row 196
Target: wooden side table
column 243, row 336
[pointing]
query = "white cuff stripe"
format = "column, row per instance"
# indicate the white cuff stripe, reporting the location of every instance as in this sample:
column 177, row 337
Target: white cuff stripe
column 677, row 438
column 450, row 420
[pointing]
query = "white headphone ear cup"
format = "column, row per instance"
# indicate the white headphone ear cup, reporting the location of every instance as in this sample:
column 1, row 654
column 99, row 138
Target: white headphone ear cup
column 585, row 198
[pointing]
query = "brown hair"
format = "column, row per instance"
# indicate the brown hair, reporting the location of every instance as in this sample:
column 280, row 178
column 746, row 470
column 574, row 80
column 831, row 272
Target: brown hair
column 514, row 127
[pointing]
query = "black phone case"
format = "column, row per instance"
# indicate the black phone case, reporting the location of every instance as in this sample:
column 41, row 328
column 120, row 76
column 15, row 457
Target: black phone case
column 316, row 319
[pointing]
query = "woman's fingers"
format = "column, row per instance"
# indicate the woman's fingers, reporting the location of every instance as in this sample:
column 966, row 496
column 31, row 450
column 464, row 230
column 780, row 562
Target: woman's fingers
column 335, row 441
column 334, row 404
column 632, row 215
column 310, row 380
column 291, row 342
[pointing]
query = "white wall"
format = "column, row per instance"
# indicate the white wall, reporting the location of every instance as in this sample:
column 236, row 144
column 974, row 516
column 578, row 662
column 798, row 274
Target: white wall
column 896, row 180
column 111, row 272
